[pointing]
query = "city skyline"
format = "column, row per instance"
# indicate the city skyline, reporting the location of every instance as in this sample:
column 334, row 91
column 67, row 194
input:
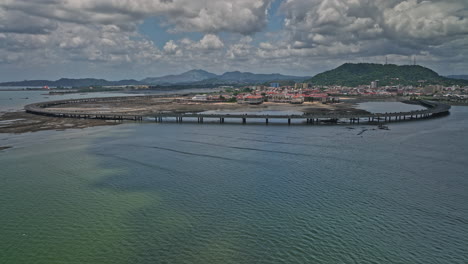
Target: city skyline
column 49, row 39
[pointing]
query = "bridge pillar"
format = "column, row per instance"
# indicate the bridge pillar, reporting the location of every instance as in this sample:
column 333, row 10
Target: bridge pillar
column 244, row 120
column 266, row 121
column 289, row 121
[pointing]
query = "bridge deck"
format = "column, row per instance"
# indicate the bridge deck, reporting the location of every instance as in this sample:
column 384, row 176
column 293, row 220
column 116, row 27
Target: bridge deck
column 432, row 109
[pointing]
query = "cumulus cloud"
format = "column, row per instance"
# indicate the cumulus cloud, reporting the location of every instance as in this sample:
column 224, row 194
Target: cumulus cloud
column 170, row 47
column 106, row 31
column 316, row 22
column 363, row 30
column 316, row 34
column 241, row 16
column 429, row 21
column 209, row 42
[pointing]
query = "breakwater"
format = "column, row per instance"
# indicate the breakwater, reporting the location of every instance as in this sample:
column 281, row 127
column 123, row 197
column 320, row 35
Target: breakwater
column 433, row 109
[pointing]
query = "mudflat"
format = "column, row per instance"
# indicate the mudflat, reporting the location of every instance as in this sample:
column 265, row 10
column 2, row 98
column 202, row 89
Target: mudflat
column 22, row 122
column 172, row 105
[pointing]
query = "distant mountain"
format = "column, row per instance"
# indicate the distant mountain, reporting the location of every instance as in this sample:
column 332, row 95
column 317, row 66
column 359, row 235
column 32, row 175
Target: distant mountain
column 193, row 77
column 248, row 77
column 65, row 82
column 461, row 77
column 352, row 75
column 200, row 77
column 186, row 77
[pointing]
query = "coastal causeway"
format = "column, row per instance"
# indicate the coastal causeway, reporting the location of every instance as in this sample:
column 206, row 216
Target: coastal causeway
column 159, row 109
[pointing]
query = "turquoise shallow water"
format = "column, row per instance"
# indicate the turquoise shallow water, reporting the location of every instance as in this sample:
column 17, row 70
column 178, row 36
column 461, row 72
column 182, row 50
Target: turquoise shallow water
column 191, row 193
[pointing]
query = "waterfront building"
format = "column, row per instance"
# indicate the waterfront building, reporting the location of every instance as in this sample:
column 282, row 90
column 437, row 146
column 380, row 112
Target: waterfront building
column 249, row 99
column 297, row 99
column 200, row 97
column 317, row 98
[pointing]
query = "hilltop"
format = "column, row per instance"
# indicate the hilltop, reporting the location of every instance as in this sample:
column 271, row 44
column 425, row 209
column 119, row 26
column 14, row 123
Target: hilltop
column 186, row 77
column 352, row 75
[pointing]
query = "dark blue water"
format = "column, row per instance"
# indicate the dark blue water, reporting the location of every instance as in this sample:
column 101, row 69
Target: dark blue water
column 211, row 193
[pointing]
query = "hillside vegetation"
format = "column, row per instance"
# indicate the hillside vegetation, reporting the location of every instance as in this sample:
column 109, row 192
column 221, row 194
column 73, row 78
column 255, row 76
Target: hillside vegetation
column 352, row 75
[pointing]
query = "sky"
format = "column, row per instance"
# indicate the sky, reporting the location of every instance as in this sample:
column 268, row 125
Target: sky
column 134, row 39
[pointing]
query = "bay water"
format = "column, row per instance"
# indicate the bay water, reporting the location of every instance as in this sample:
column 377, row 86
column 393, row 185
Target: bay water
column 231, row 193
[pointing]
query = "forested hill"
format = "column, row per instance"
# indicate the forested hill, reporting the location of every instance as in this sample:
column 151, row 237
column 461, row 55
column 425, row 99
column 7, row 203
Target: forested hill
column 352, row 75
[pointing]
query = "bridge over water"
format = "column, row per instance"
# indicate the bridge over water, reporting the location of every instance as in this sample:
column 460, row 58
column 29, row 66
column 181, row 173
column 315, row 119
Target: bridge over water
column 433, row 109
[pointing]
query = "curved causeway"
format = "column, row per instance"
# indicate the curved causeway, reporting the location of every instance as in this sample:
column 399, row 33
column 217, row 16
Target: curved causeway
column 433, row 109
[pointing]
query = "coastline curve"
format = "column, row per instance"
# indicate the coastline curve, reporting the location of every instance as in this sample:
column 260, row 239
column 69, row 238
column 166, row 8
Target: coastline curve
column 433, row 109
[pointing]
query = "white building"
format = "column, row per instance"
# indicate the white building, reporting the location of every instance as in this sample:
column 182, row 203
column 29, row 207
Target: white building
column 200, row 97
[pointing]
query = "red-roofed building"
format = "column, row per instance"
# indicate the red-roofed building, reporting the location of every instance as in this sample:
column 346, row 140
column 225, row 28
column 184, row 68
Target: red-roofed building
column 317, row 97
column 249, row 99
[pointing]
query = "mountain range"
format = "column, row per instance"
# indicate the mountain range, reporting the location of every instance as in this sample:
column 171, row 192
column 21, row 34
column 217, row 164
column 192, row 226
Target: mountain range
column 235, row 77
column 193, row 77
column 348, row 74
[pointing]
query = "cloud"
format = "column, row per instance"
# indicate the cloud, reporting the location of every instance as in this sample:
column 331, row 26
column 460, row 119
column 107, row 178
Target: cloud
column 210, row 42
column 210, row 16
column 431, row 22
column 19, row 22
column 170, row 47
column 426, row 22
column 316, row 34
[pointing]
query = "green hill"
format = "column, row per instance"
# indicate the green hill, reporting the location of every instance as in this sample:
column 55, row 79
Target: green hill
column 352, row 75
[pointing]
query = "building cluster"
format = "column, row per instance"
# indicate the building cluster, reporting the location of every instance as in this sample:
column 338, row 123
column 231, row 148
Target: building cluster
column 306, row 92
column 297, row 94
column 396, row 90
